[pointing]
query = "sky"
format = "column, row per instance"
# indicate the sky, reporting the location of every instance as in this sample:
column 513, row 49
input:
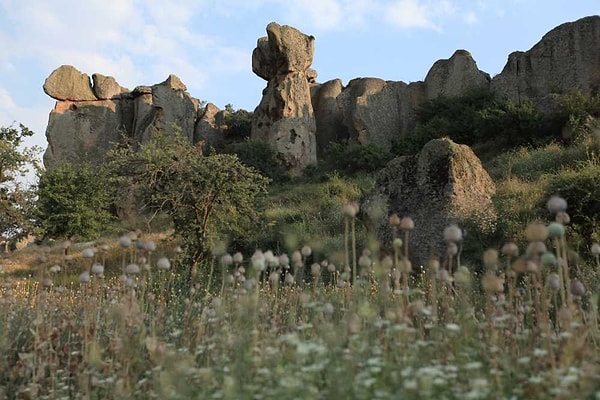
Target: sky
column 208, row 43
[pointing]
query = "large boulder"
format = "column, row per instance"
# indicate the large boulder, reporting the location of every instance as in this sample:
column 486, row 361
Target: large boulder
column 445, row 183
column 68, row 83
column 455, row 76
column 83, row 130
column 566, row 57
column 284, row 118
column 377, row 111
column 328, row 115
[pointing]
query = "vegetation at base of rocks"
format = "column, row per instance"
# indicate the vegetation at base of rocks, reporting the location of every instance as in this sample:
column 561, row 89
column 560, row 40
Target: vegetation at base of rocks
column 260, row 156
column 208, row 198
column 238, row 122
column 16, row 200
column 123, row 324
column 74, row 202
column 479, row 117
column 351, row 159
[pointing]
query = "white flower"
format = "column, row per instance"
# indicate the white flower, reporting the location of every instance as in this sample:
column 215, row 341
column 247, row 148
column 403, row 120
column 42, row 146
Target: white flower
column 125, row 241
column 163, row 263
column 132, row 269
column 88, row 253
column 84, row 277
column 97, row 269
column 150, row 245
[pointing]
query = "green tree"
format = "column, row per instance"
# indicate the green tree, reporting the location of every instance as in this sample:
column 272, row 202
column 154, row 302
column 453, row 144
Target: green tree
column 15, row 198
column 74, row 201
column 208, row 198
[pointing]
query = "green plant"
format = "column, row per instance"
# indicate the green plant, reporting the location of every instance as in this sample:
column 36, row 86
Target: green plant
column 259, row 155
column 74, row 201
column 353, row 159
column 15, row 199
column 208, row 198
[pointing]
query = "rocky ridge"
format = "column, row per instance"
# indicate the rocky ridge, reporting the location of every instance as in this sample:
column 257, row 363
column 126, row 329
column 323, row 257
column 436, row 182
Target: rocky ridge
column 297, row 116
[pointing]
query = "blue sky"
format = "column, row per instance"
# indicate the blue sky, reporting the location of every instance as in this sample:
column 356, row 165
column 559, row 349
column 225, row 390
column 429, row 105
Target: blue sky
column 208, row 43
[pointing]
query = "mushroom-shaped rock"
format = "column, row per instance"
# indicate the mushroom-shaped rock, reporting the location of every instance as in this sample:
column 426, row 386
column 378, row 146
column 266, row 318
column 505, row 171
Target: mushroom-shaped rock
column 68, row 83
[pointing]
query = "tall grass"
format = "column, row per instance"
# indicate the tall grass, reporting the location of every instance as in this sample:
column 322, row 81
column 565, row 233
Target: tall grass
column 276, row 326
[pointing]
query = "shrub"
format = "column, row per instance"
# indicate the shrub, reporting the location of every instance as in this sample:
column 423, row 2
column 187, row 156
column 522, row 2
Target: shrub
column 259, row 155
column 74, row 201
column 351, row 159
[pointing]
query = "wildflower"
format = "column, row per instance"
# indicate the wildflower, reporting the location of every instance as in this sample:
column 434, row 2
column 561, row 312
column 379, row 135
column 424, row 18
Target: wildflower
column 315, row 269
column 297, row 258
column 331, row 267
column 132, row 269
column 350, row 210
column 306, row 251
column 562, row 218
column 553, row 281
column 84, row 277
column 443, row 275
column 492, row 283
column 219, row 248
column 451, row 249
column 405, row 265
column 407, row 224
column 47, row 282
column 534, row 249
column 163, row 263
column 536, row 232
column 364, row 261
column 289, row 279
column 397, row 243
column 88, row 253
column 55, row 269
column 595, row 249
column 462, row 275
column 556, row 230
column 577, row 288
column 387, row 263
column 178, row 249
column 394, row 220
column 238, row 258
column 548, row 259
column 433, row 264
column 490, row 258
column 226, row 260
column 328, row 308
column 284, row 260
column 97, row 269
column 104, row 248
column 258, row 261
column 452, row 233
column 510, row 249
column 150, row 245
column 125, row 241
column 556, row 204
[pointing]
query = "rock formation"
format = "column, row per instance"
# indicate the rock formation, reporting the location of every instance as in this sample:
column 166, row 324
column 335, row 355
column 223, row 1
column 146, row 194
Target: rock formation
column 445, row 183
column 87, row 119
column 284, row 118
column 299, row 117
column 567, row 57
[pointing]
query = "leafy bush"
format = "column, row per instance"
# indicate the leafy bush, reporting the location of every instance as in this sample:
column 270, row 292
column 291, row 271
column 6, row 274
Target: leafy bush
column 352, row 159
column 209, row 198
column 74, row 201
column 581, row 188
column 259, row 155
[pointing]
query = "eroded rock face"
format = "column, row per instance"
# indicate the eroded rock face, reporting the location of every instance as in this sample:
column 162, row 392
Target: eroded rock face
column 445, row 183
column 566, row 57
column 67, row 83
column 328, row 114
column 284, row 118
column 454, row 76
column 87, row 121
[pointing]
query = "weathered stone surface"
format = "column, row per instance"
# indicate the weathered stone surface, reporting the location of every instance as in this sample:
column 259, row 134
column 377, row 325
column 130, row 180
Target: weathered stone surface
column 82, row 131
column 454, row 76
column 207, row 128
column 377, row 111
column 566, row 57
column 284, row 118
column 107, row 87
column 445, row 183
column 328, row 115
column 67, row 83
column 172, row 110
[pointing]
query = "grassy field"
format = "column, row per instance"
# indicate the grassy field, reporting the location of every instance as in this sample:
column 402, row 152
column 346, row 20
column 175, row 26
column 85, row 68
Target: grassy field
column 297, row 326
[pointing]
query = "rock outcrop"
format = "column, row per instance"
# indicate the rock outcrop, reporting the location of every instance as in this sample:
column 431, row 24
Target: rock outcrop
column 284, row 118
column 566, row 57
column 452, row 77
column 87, row 119
column 328, row 114
column 445, row 183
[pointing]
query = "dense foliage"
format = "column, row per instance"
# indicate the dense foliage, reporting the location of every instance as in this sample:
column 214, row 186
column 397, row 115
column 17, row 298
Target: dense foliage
column 15, row 199
column 74, row 201
column 353, row 159
column 259, row 155
column 208, row 198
